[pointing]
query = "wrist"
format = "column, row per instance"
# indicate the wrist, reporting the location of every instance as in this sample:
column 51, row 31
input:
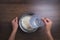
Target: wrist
column 14, row 29
column 47, row 31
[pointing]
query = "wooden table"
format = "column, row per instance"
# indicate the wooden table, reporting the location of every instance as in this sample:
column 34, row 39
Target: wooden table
column 9, row 11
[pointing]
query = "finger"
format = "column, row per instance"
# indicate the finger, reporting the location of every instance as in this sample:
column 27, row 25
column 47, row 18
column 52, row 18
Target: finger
column 17, row 19
column 48, row 20
column 44, row 20
column 13, row 20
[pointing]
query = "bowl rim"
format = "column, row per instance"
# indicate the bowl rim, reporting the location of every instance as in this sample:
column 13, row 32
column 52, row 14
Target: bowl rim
column 21, row 27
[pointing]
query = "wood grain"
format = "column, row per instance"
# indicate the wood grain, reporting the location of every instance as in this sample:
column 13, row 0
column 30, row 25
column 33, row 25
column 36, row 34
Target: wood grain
column 10, row 11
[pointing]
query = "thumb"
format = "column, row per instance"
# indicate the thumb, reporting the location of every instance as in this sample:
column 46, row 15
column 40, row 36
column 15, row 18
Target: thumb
column 44, row 20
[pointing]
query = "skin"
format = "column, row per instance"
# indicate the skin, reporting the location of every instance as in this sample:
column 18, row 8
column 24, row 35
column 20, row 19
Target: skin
column 14, row 27
column 48, row 25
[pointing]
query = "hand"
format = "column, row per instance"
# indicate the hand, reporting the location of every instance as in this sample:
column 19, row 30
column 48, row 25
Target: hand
column 15, row 23
column 48, row 24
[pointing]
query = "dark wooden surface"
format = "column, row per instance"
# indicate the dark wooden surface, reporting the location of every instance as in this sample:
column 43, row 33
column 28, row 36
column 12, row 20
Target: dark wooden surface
column 10, row 11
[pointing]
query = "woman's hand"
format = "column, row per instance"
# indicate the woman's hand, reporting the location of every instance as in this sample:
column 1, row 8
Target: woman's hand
column 48, row 24
column 15, row 23
column 14, row 27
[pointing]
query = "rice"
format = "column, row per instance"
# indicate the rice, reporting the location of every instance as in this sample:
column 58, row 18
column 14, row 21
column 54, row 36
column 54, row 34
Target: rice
column 26, row 22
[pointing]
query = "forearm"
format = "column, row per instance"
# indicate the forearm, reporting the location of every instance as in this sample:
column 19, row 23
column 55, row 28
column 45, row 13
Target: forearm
column 12, row 36
column 49, row 35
